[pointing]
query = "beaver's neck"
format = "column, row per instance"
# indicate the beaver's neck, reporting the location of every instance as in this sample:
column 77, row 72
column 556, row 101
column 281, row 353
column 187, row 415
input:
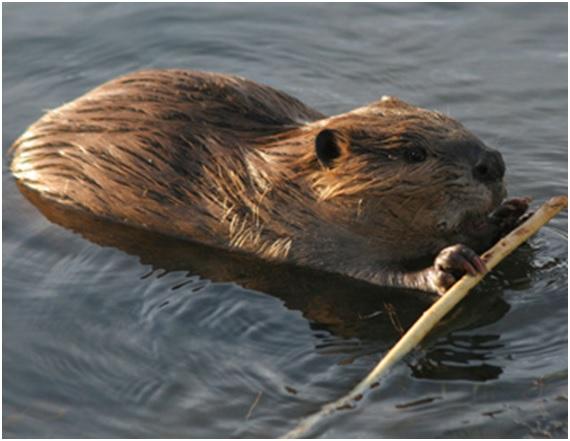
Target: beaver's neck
column 291, row 222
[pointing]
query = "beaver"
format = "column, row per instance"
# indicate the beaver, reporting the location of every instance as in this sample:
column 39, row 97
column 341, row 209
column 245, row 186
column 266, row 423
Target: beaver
column 388, row 193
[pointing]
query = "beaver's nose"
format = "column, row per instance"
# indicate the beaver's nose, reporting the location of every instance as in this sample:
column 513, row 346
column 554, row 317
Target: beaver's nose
column 490, row 167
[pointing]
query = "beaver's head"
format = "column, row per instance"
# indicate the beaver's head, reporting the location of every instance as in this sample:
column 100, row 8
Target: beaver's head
column 414, row 177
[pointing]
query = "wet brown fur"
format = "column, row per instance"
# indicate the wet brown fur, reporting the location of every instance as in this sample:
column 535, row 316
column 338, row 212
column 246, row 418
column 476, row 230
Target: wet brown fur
column 228, row 162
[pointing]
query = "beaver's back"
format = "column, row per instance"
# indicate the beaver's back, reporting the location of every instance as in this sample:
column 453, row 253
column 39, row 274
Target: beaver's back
column 144, row 148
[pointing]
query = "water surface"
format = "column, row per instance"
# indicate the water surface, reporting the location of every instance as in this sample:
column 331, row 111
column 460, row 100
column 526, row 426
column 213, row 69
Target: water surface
column 110, row 332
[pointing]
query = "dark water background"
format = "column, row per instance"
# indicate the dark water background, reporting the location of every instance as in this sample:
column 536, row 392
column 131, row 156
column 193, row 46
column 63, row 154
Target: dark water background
column 114, row 333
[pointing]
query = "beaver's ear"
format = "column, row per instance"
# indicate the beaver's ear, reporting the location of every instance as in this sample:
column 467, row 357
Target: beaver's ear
column 330, row 145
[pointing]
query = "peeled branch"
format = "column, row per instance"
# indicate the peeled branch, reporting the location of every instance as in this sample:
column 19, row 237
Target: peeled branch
column 436, row 312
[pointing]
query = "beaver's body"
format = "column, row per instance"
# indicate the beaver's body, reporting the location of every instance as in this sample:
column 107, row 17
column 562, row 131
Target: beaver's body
column 230, row 163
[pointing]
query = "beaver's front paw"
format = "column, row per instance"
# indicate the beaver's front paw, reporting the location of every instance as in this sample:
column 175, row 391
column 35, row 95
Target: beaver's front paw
column 510, row 214
column 452, row 263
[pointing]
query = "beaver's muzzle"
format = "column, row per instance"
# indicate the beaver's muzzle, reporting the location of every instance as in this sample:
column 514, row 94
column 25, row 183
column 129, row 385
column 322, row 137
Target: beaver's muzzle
column 490, row 167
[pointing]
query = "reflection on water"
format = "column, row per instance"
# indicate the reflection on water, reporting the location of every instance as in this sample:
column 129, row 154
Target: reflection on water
column 114, row 332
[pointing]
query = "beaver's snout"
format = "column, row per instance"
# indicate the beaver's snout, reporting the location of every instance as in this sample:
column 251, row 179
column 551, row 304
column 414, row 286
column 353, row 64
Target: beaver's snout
column 490, row 167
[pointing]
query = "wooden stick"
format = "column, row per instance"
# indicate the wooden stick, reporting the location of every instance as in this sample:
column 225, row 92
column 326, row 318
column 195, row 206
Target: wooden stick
column 250, row 411
column 435, row 313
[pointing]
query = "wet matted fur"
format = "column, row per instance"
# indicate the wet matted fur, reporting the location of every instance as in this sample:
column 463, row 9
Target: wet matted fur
column 228, row 162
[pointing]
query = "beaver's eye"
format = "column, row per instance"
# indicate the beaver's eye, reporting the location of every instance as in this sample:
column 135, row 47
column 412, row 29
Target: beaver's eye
column 415, row 154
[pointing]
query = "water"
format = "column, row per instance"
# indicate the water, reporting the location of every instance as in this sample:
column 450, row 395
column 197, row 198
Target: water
column 109, row 332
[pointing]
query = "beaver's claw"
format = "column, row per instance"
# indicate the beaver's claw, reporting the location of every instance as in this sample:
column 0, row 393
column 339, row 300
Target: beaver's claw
column 452, row 263
column 510, row 214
